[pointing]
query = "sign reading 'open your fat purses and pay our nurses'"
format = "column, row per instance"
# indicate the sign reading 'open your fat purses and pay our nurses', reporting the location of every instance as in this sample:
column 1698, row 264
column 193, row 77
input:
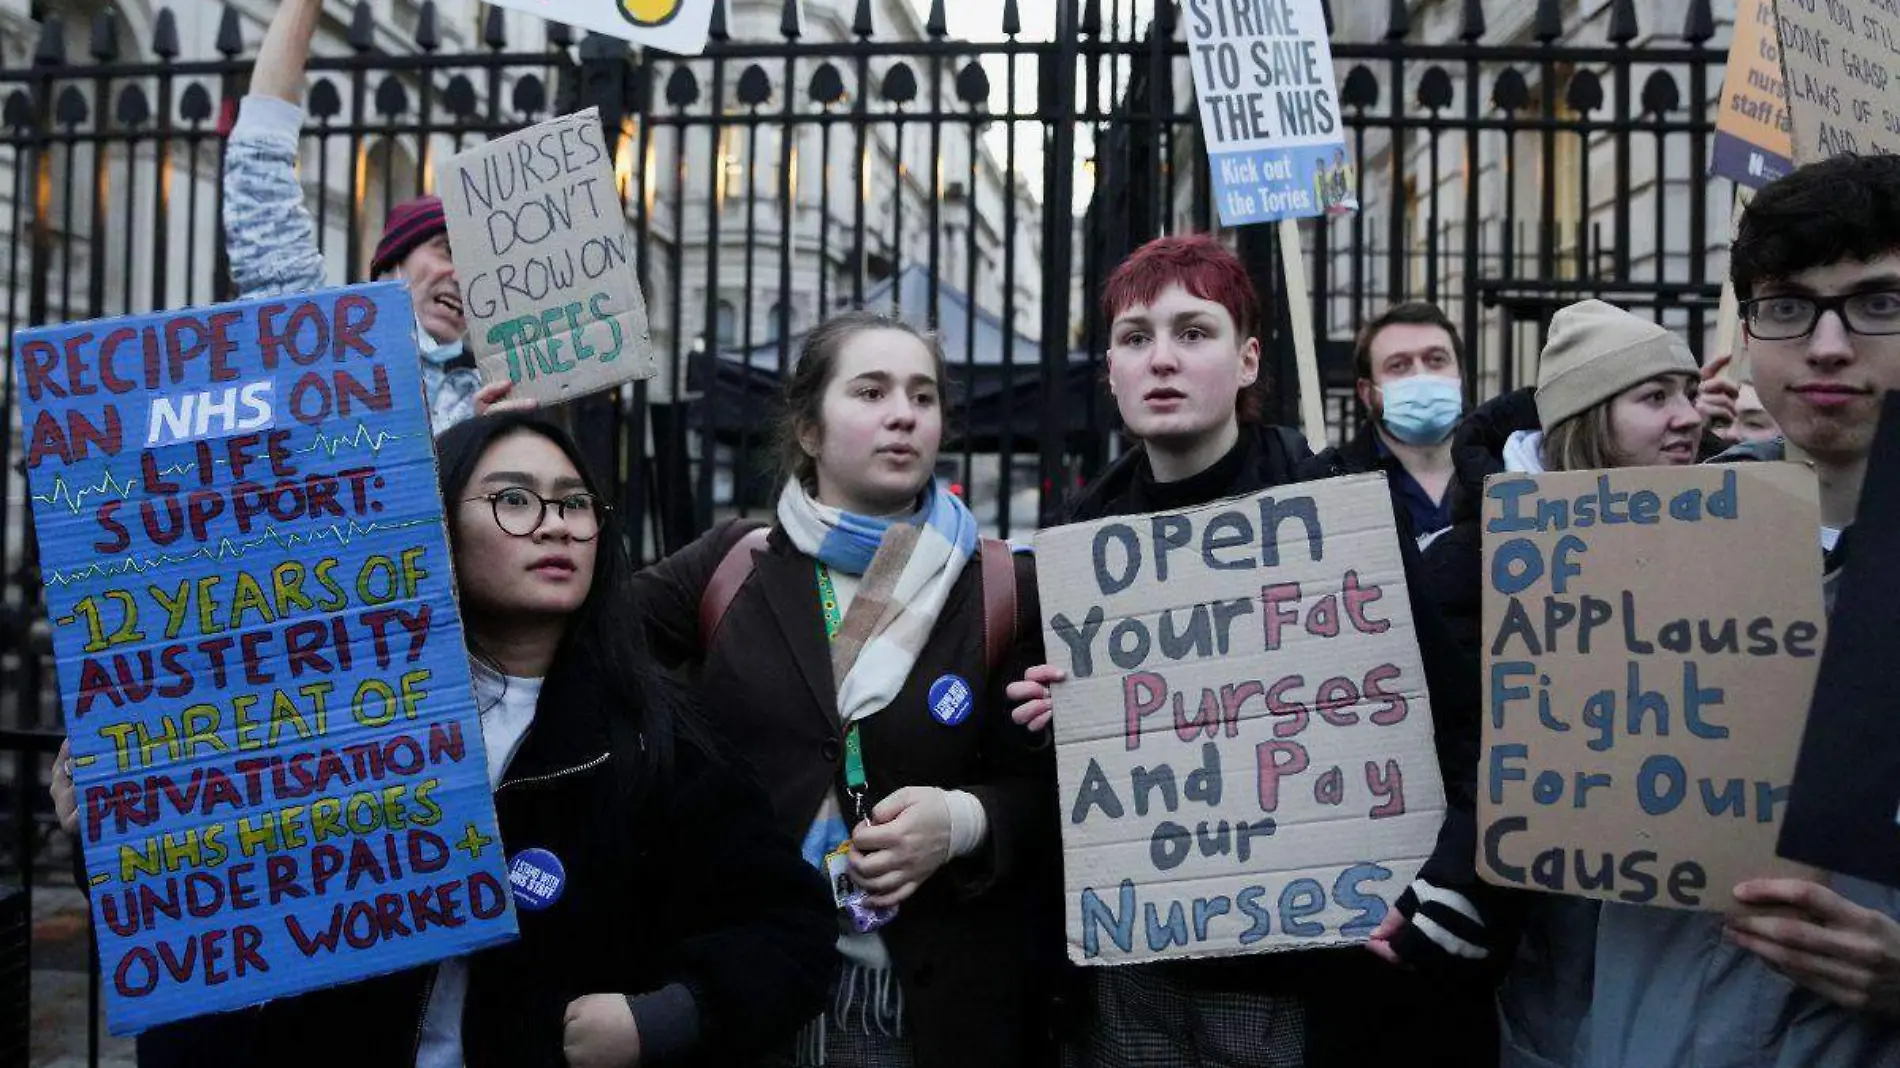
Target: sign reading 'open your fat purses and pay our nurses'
column 1643, row 706
column 280, row 770
column 1276, row 144
column 1244, row 742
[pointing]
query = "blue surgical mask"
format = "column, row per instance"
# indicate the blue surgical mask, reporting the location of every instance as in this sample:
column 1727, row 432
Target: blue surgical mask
column 1422, row 409
column 439, row 353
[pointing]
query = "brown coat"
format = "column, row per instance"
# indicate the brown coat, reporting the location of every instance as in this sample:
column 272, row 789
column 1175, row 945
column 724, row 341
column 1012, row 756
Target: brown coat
column 976, row 946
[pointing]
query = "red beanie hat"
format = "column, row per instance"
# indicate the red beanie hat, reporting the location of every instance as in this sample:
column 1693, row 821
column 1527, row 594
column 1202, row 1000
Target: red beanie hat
column 410, row 224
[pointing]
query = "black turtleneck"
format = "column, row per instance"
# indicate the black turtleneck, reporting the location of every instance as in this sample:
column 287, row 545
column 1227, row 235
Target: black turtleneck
column 1217, row 481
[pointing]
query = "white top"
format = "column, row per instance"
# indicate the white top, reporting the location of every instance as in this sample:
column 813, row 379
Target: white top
column 507, row 708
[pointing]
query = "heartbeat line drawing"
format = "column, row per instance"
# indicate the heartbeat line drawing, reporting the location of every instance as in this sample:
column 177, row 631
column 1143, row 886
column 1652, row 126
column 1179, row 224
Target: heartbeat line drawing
column 363, row 437
column 230, row 549
column 64, row 494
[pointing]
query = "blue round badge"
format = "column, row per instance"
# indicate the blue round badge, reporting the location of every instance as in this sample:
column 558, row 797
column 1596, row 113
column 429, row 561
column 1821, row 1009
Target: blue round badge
column 537, row 878
column 951, row 700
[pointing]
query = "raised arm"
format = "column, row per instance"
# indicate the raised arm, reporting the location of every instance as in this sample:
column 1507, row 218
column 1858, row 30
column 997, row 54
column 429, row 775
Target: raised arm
column 285, row 53
column 267, row 227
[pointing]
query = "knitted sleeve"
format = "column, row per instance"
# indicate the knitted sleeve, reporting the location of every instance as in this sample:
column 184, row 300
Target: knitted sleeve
column 268, row 229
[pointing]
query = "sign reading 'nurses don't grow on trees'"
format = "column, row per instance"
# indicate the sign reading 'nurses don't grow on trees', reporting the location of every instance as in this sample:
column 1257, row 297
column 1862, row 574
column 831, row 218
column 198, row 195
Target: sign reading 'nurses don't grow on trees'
column 281, row 778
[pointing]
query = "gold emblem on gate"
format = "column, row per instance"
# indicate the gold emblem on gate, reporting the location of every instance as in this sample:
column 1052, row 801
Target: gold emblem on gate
column 650, row 12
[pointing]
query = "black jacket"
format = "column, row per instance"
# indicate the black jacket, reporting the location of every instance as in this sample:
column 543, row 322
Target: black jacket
column 1358, row 457
column 682, row 891
column 1359, row 1010
column 973, row 949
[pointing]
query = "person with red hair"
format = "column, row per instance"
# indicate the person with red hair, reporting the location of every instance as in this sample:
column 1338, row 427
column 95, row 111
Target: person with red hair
column 1184, row 368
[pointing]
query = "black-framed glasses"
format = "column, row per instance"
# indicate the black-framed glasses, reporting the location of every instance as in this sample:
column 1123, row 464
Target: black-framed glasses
column 1785, row 318
column 520, row 511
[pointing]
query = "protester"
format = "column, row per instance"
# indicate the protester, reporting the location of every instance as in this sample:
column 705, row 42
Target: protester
column 1408, row 361
column 1182, row 362
column 272, row 239
column 1733, row 410
column 857, row 655
column 687, row 929
column 1807, row 972
column 1614, row 390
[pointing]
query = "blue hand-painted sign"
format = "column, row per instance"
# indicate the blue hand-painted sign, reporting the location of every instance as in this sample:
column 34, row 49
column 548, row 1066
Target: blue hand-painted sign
column 280, row 768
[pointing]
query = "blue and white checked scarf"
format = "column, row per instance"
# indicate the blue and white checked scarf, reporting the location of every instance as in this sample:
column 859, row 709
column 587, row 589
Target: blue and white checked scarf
column 909, row 566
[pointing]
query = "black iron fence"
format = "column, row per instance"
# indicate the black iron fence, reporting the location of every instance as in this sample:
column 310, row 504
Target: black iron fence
column 986, row 188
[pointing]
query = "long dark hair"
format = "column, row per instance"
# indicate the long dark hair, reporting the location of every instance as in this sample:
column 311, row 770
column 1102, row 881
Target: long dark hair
column 604, row 647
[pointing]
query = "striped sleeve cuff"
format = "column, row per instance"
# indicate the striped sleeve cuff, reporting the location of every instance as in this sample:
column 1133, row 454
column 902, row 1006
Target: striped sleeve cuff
column 1447, row 918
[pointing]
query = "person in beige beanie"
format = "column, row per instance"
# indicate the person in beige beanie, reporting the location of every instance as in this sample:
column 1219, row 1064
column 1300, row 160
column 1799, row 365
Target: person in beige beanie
column 1615, row 390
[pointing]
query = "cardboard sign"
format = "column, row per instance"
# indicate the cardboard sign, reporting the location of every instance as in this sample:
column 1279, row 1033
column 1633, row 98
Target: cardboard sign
column 1842, row 61
column 1244, row 742
column 1845, row 812
column 1651, row 635
column 677, row 26
column 546, row 262
column 1270, row 113
column 1753, row 144
column 280, row 767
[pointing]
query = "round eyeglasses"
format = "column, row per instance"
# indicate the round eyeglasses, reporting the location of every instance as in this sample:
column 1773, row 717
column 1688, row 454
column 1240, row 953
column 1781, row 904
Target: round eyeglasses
column 520, row 512
column 1785, row 318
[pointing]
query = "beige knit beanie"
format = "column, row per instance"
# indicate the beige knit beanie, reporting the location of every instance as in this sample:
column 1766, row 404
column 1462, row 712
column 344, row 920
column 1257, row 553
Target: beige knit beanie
column 1598, row 350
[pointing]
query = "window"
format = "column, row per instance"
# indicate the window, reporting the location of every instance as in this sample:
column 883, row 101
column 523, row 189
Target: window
column 726, row 329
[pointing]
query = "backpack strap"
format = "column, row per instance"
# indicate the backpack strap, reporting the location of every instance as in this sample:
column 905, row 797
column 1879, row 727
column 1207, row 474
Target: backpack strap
column 734, row 568
column 999, row 601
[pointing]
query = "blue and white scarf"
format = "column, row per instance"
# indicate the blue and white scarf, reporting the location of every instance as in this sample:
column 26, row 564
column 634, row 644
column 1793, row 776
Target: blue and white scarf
column 909, row 565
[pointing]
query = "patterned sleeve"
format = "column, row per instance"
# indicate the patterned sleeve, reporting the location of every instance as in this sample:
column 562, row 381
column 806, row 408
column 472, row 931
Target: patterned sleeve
column 267, row 226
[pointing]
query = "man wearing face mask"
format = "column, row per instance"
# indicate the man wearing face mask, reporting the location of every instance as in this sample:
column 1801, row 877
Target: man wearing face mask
column 272, row 238
column 1408, row 364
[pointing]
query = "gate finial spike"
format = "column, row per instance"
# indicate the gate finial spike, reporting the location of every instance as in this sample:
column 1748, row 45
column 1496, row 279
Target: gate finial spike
column 1471, row 22
column 1398, row 20
column 1623, row 22
column 230, row 33
column 1550, row 21
column 1700, row 26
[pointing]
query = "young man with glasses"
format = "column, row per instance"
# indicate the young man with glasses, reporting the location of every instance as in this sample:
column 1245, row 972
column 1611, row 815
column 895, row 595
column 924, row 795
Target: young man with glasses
column 1807, row 972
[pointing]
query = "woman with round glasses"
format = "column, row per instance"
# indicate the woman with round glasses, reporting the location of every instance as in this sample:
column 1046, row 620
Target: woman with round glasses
column 681, row 927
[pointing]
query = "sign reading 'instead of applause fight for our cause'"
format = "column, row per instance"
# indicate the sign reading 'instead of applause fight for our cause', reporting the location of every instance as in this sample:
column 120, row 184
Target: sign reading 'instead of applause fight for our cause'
column 280, row 770
column 1270, row 115
column 1244, row 742
column 1642, row 706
